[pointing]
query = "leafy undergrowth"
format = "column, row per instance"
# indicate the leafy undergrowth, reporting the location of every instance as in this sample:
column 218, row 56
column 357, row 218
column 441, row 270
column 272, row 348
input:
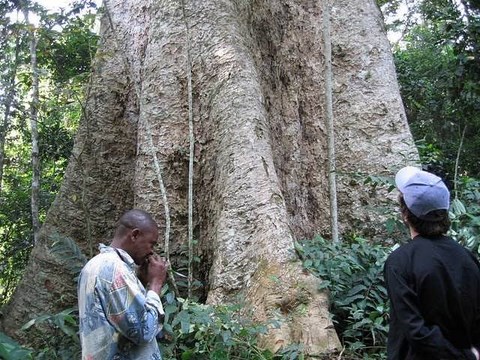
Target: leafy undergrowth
column 352, row 271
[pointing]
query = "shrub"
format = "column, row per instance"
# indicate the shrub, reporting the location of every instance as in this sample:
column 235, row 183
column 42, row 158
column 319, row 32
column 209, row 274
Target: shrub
column 465, row 214
column 56, row 335
column 352, row 272
column 199, row 331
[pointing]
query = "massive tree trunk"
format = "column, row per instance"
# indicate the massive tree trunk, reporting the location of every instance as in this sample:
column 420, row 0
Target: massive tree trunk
column 260, row 171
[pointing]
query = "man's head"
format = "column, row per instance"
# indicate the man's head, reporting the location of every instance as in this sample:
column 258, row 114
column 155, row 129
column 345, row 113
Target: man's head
column 137, row 233
column 424, row 201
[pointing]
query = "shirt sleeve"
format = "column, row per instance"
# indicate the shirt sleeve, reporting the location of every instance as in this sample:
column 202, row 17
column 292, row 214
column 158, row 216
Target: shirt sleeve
column 425, row 339
column 133, row 313
column 153, row 300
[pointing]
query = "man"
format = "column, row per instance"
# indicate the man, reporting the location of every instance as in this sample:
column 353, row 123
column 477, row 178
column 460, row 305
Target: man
column 119, row 318
column 433, row 282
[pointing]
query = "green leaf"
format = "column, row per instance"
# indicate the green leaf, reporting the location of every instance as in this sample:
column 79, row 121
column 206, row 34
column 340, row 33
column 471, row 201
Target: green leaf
column 170, row 298
column 186, row 355
column 226, row 336
column 11, row 350
column 458, row 207
column 36, row 321
column 185, row 326
column 168, row 328
column 356, row 289
column 349, row 300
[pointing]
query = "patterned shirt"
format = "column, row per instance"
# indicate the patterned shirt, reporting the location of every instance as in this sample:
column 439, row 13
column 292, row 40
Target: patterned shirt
column 119, row 319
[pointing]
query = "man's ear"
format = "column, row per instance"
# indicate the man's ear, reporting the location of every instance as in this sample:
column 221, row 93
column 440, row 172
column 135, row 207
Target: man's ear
column 135, row 233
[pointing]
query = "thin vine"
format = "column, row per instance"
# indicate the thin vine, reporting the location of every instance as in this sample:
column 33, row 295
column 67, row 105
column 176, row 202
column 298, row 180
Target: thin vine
column 191, row 153
column 330, row 125
column 457, row 161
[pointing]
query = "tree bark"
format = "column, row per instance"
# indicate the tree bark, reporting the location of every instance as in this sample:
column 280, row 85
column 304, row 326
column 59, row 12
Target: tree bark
column 260, row 147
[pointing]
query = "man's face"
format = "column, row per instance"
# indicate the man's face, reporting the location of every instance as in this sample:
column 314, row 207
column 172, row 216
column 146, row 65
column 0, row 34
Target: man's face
column 145, row 241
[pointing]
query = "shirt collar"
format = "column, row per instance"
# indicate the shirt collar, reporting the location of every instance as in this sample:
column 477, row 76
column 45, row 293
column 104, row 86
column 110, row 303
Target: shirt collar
column 126, row 258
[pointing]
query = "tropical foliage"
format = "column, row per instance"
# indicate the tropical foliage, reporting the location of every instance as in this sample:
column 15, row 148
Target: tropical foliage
column 438, row 67
column 352, row 271
column 66, row 44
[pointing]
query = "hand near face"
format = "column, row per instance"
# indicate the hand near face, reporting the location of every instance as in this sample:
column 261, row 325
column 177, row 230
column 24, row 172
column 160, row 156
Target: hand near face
column 157, row 272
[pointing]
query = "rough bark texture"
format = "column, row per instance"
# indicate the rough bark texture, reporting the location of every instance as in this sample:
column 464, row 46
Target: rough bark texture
column 261, row 144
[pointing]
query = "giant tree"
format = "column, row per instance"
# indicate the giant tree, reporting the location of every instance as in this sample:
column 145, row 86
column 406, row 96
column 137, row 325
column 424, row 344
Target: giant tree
column 244, row 80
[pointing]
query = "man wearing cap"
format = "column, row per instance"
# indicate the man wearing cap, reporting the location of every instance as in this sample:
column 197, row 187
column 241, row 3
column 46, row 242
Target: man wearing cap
column 433, row 282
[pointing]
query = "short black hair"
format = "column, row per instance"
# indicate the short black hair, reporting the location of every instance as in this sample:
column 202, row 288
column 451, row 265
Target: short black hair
column 135, row 218
column 428, row 229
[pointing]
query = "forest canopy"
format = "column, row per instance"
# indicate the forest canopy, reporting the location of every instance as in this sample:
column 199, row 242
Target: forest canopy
column 438, row 67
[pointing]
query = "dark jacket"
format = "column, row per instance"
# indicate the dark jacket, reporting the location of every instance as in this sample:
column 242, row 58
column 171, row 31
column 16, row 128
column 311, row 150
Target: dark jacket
column 434, row 291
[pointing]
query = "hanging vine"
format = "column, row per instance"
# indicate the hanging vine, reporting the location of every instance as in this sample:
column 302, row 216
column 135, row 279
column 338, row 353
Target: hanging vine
column 332, row 186
column 191, row 151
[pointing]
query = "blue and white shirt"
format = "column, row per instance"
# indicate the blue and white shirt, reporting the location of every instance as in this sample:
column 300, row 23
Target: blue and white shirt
column 119, row 319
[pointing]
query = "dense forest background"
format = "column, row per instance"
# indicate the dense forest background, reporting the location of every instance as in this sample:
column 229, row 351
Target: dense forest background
column 45, row 68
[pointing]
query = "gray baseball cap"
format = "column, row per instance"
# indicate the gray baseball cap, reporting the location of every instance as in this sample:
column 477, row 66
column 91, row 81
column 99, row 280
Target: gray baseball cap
column 422, row 191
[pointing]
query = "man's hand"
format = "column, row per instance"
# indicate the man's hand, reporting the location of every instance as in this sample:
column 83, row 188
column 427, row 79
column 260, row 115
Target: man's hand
column 157, row 272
